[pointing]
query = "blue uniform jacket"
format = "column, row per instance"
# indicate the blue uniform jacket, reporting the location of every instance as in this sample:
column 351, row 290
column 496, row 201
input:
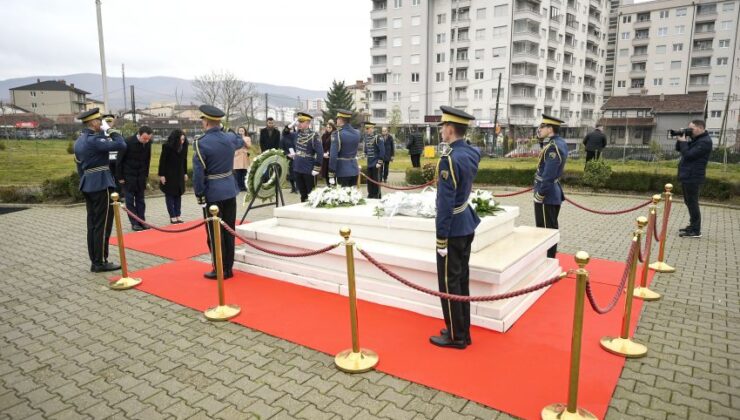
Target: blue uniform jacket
column 91, row 155
column 547, row 189
column 345, row 142
column 309, row 154
column 456, row 171
column 374, row 149
column 213, row 164
column 692, row 168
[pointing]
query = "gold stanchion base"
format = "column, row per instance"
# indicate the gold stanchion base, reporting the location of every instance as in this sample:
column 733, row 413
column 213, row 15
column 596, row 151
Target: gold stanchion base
column 351, row 362
column 662, row 267
column 124, row 283
column 645, row 294
column 623, row 347
column 560, row 411
column 222, row 313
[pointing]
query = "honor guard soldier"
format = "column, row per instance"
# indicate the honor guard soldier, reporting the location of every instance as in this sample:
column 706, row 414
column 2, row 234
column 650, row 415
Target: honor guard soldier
column 374, row 152
column 548, row 194
column 455, row 223
column 91, row 150
column 345, row 141
column 308, row 156
column 214, row 182
column 110, row 121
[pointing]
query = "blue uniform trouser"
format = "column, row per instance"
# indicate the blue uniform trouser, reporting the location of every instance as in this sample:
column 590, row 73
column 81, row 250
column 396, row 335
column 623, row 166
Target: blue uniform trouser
column 305, row 184
column 546, row 216
column 373, row 189
column 174, row 203
column 453, row 276
column 135, row 203
column 99, row 225
column 227, row 212
column 691, row 199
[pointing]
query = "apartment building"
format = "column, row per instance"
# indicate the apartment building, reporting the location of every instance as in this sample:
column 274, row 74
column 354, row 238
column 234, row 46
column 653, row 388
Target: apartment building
column 50, row 98
column 676, row 47
column 550, row 55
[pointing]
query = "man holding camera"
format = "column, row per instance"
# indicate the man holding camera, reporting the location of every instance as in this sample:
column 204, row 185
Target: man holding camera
column 695, row 146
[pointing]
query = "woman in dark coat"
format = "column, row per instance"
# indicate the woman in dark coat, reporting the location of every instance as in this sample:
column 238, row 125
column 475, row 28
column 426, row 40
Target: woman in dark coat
column 287, row 143
column 326, row 144
column 173, row 172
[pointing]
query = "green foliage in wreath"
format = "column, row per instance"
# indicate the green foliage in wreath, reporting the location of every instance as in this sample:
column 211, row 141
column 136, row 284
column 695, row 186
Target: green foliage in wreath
column 259, row 169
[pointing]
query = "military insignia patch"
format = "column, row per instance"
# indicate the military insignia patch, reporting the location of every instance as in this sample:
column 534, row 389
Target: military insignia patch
column 552, row 155
column 444, row 174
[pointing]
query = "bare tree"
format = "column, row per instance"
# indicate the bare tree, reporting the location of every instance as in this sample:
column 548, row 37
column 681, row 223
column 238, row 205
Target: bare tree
column 225, row 90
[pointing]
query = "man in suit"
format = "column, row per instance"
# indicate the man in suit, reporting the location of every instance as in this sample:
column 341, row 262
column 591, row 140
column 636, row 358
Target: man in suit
column 374, row 152
column 390, row 151
column 269, row 136
column 214, row 182
column 132, row 173
column 309, row 154
column 345, row 141
column 91, row 151
column 594, row 142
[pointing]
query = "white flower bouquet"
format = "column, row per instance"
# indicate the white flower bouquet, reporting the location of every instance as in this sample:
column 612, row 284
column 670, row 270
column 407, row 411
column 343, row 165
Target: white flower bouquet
column 329, row 197
column 483, row 203
column 422, row 204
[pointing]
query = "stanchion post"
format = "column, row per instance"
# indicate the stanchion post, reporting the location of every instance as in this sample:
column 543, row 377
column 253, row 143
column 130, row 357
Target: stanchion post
column 356, row 359
column 125, row 282
column 660, row 266
column 624, row 345
column 222, row 312
column 359, row 176
column 571, row 410
column 643, row 292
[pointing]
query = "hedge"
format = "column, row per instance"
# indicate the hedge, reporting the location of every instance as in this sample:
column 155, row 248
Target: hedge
column 640, row 182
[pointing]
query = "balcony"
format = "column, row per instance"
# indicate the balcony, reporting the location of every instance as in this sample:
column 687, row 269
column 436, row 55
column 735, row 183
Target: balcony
column 590, row 71
column 525, row 58
column 526, row 36
column 461, row 82
column 636, row 42
column 638, row 58
column 564, row 101
column 707, row 16
column 592, row 53
column 526, row 53
column 589, row 88
column 637, row 73
column 596, row 20
column 596, row 3
column 593, row 37
column 635, row 90
column 702, row 52
column 553, row 42
column 703, row 69
column 704, row 35
column 642, row 24
column 378, row 49
column 460, row 42
column 523, row 100
column 698, row 87
column 527, row 12
column 524, row 78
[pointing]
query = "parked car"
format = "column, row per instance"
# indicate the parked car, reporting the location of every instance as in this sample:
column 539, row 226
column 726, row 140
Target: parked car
column 519, row 153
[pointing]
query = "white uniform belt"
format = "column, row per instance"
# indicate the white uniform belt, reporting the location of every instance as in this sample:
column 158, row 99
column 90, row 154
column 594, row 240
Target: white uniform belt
column 461, row 208
column 96, row 169
column 539, row 178
column 219, row 176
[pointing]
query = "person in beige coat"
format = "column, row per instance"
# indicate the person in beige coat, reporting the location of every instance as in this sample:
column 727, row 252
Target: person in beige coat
column 241, row 159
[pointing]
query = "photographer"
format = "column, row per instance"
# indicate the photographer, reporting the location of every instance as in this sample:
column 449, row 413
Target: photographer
column 695, row 145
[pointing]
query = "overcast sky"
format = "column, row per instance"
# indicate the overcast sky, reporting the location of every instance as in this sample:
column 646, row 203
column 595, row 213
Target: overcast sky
column 284, row 42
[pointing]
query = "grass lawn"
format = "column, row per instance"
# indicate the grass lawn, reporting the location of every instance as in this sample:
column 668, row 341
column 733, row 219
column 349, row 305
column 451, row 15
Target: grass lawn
column 30, row 162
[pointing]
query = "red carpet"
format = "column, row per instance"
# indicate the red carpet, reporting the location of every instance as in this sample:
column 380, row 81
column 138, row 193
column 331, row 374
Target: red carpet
column 518, row 372
column 602, row 271
column 174, row 246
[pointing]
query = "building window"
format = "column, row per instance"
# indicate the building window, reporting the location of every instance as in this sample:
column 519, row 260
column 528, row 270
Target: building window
column 440, row 76
column 397, row 4
column 660, row 49
column 681, row 11
column 480, row 13
column 415, row 2
column 415, row 20
column 501, row 51
column 396, row 96
column 680, row 29
column 480, row 34
column 658, row 82
column 396, row 78
column 442, row 18
column 721, row 61
column 479, row 74
column 414, row 77
column 397, row 42
column 415, row 40
column 728, row 7
column 678, row 47
column 718, row 96
column 663, row 14
column 415, row 58
column 625, row 35
column 627, row 19
column 501, row 11
column 499, row 30
column 378, row 113
column 479, row 54
column 478, row 94
column 715, row 114
column 673, row 81
column 495, row 93
column 663, row 31
column 675, row 65
column 724, row 43
column 624, row 52
column 441, row 38
column 397, row 23
column 440, row 57
column 397, row 60
column 621, row 83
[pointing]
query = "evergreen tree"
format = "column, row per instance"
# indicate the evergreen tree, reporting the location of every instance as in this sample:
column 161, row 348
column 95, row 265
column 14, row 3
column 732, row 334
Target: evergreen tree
column 339, row 97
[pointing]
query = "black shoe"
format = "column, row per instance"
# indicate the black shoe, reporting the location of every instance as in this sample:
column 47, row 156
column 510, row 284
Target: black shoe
column 106, row 266
column 137, row 228
column 145, row 227
column 446, row 333
column 445, row 341
column 211, row 275
column 682, row 230
column 690, row 234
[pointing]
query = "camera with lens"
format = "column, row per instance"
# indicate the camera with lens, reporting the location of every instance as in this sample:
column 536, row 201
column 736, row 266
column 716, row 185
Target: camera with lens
column 685, row 132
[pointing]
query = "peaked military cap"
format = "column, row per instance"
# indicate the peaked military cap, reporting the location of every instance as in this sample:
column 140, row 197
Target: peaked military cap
column 93, row 114
column 108, row 117
column 452, row 115
column 343, row 113
column 210, row 112
column 302, row 116
column 548, row 120
column 369, row 124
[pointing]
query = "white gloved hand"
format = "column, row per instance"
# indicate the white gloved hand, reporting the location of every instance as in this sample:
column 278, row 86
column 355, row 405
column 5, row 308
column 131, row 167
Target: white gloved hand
column 332, row 181
column 378, row 165
column 314, row 173
column 326, row 154
column 105, row 127
column 442, row 252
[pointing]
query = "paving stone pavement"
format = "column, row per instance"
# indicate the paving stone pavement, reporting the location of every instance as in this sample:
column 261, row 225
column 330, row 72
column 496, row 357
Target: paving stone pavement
column 70, row 348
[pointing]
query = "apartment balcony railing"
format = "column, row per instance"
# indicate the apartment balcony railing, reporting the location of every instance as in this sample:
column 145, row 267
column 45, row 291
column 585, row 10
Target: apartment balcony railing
column 523, row 100
column 639, row 57
column 702, row 52
column 642, row 24
column 704, row 35
column 524, row 78
column 528, row 12
column 526, row 36
column 698, row 87
column 645, row 40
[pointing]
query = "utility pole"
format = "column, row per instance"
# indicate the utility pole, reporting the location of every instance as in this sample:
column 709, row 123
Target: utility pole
column 133, row 104
column 101, row 44
column 123, row 78
column 266, row 107
column 495, row 114
column 251, row 111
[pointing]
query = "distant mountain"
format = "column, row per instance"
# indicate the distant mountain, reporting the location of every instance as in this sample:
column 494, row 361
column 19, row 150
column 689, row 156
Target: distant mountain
column 158, row 88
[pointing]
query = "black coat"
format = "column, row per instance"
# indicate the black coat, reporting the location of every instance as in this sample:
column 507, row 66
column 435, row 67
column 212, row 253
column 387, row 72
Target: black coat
column 595, row 140
column 415, row 144
column 692, row 168
column 269, row 139
column 132, row 164
column 173, row 166
column 390, row 148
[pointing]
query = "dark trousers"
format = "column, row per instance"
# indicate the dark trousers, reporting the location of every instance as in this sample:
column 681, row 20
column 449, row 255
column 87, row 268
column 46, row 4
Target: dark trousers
column 347, row 181
column 291, row 175
column 240, row 175
column 174, row 203
column 386, row 167
column 227, row 212
column 305, row 184
column 135, row 202
column 453, row 275
column 546, row 216
column 373, row 190
column 99, row 225
column 691, row 199
column 416, row 161
column 593, row 154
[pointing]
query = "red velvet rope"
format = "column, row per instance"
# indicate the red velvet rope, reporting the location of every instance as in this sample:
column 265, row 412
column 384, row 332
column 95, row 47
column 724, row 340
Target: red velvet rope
column 171, row 230
column 648, row 238
column 514, row 193
column 589, row 293
column 460, row 298
column 664, row 225
column 391, row 187
column 639, row 206
column 278, row 253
